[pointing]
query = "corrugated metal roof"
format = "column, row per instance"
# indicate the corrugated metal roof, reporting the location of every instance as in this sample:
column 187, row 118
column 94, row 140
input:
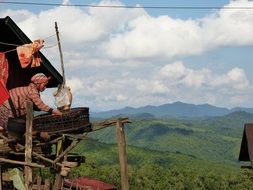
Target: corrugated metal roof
column 12, row 34
column 83, row 183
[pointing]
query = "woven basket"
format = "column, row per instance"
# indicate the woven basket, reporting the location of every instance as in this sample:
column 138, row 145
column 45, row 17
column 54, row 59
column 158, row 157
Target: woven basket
column 76, row 120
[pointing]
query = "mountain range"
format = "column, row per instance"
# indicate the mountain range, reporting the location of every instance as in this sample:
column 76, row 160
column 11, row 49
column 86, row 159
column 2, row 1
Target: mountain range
column 172, row 110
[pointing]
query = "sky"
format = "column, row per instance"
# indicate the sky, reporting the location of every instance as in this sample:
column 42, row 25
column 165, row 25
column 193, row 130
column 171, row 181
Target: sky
column 118, row 57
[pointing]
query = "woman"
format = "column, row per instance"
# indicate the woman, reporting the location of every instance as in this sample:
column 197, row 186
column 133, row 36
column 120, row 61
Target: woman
column 21, row 95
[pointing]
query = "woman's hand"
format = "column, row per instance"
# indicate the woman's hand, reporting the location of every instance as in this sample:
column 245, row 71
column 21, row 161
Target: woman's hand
column 56, row 112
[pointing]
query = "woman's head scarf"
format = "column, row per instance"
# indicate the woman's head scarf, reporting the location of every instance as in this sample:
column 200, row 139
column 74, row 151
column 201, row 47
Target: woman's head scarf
column 40, row 78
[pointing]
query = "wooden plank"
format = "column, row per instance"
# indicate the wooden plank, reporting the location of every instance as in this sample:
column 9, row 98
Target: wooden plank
column 28, row 145
column 122, row 155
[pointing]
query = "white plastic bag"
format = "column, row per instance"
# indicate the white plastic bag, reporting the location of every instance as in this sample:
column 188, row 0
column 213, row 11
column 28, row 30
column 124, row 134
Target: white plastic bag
column 63, row 98
column 17, row 177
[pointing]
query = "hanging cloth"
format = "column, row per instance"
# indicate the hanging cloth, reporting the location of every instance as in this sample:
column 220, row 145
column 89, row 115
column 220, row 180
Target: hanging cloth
column 4, row 68
column 28, row 53
column 4, row 94
column 4, row 73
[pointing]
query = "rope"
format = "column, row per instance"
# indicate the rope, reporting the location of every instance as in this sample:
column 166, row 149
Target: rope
column 9, row 44
column 47, row 47
column 49, row 36
column 10, row 50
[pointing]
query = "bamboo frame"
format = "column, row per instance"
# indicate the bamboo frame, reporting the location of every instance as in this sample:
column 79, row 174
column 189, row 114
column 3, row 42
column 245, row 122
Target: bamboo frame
column 57, row 162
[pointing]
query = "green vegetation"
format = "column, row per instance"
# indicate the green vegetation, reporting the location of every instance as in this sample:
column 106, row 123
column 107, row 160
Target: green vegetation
column 171, row 154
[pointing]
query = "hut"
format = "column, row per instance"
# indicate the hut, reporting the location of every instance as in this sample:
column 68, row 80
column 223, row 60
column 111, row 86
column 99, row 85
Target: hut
column 67, row 131
column 15, row 152
column 11, row 36
column 246, row 150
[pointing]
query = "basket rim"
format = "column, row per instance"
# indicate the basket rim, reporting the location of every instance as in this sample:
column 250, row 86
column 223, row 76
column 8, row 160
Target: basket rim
column 73, row 110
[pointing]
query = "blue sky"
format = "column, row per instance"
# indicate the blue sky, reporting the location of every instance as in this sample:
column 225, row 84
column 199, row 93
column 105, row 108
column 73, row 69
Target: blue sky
column 136, row 57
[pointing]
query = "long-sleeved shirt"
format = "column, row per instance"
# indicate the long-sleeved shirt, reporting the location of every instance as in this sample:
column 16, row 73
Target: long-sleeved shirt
column 21, row 95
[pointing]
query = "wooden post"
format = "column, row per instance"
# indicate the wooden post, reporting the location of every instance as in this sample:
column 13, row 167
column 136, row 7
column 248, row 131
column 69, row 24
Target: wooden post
column 58, row 181
column 58, row 178
column 1, row 181
column 38, row 183
column 122, row 154
column 28, row 145
column 47, row 185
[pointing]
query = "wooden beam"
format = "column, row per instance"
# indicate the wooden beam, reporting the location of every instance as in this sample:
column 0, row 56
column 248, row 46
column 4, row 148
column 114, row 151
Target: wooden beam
column 108, row 123
column 73, row 145
column 21, row 163
column 39, row 156
column 122, row 155
column 28, row 145
column 46, row 159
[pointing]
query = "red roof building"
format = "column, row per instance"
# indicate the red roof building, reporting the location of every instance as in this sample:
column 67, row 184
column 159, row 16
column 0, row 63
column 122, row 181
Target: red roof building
column 86, row 183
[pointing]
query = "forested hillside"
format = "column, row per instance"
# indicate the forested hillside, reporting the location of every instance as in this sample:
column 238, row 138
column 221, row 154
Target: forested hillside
column 173, row 153
column 217, row 139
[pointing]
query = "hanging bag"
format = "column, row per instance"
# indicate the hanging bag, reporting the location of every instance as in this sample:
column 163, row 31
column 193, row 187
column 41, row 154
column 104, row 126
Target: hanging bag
column 63, row 98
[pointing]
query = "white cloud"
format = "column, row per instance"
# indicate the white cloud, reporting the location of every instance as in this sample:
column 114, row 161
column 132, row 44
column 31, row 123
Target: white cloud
column 126, row 57
column 180, row 74
column 235, row 78
column 76, row 85
column 152, row 37
column 163, row 36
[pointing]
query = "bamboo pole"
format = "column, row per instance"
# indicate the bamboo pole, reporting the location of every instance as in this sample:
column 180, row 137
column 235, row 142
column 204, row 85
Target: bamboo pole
column 60, row 50
column 122, row 155
column 39, row 156
column 28, row 145
column 72, row 145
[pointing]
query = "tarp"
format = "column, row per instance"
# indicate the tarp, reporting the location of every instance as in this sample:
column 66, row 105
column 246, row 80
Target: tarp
column 12, row 34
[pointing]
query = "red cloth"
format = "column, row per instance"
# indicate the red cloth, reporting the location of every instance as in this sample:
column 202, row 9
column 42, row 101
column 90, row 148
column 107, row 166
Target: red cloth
column 4, row 68
column 4, row 95
column 83, row 183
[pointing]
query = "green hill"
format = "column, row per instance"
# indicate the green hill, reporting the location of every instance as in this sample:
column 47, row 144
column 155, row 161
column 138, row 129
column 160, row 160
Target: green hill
column 172, row 154
column 217, row 139
column 149, row 169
